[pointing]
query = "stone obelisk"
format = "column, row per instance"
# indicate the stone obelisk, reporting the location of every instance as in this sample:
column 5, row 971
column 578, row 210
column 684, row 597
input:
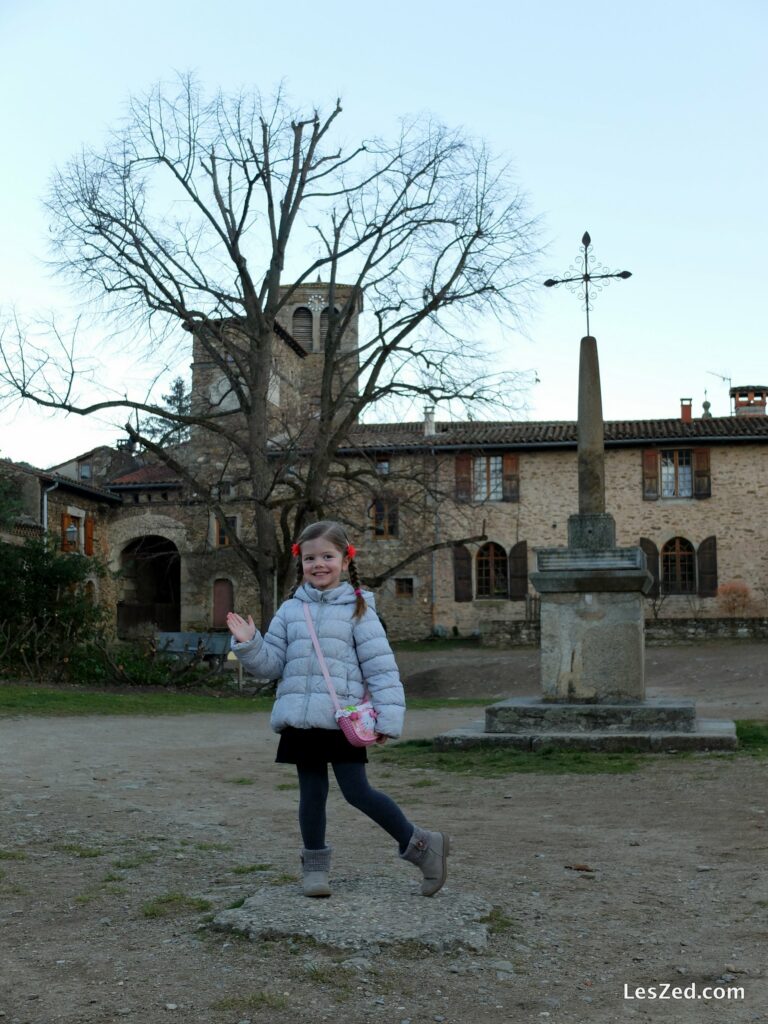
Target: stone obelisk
column 592, row 620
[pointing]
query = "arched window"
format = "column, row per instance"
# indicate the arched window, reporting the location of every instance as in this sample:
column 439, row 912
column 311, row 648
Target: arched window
column 301, row 327
column 678, row 567
column 223, row 602
column 324, row 318
column 492, row 571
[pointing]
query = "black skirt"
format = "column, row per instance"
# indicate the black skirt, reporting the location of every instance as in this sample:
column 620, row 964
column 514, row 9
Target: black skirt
column 317, row 747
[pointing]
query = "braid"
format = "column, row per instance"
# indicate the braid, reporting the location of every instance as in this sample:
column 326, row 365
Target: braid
column 361, row 606
column 299, row 577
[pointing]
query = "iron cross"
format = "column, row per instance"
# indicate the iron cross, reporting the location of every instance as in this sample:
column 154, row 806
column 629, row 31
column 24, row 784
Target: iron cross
column 586, row 277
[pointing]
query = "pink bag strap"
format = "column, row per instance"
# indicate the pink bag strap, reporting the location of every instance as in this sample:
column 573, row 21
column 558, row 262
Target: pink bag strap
column 320, row 658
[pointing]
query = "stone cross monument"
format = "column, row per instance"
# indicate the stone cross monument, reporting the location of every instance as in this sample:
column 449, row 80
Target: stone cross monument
column 592, row 623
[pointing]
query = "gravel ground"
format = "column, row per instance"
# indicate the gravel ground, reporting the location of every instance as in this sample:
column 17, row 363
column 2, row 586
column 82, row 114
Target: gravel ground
column 123, row 837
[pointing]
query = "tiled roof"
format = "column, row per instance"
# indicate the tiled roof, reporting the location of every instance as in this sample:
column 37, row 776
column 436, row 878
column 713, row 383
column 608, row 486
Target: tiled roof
column 562, row 433
column 154, row 475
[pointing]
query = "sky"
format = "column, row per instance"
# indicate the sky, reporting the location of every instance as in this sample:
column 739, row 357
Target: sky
column 644, row 124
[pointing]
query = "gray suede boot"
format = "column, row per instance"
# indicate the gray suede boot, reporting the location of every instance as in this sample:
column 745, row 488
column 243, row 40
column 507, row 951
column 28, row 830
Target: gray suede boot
column 429, row 852
column 315, row 865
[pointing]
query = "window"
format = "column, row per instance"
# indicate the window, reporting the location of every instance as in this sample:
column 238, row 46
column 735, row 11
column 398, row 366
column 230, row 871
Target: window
column 71, row 532
column 384, row 516
column 492, row 571
column 676, row 473
column 404, row 586
column 487, row 477
column 301, row 327
column 678, row 567
column 84, row 470
column 382, row 467
column 224, row 533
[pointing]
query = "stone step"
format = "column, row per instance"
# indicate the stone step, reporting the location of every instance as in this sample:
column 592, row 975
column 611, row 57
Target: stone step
column 707, row 734
column 531, row 714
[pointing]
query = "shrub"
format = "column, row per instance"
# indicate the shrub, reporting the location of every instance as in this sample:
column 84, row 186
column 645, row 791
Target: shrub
column 47, row 619
column 734, row 598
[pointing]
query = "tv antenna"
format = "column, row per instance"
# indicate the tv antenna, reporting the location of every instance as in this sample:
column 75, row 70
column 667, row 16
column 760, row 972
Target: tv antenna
column 729, row 382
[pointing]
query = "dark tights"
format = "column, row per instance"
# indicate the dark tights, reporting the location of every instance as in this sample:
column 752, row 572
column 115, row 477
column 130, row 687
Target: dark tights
column 357, row 790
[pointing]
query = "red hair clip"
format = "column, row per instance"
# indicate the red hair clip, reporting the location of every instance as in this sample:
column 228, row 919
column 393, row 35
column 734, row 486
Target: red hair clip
column 351, row 550
column 295, row 550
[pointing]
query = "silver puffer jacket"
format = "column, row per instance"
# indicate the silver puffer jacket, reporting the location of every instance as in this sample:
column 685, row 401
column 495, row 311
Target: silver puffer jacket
column 356, row 652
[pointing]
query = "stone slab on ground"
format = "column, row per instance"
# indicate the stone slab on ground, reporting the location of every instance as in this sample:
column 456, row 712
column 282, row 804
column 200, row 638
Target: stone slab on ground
column 363, row 914
column 708, row 734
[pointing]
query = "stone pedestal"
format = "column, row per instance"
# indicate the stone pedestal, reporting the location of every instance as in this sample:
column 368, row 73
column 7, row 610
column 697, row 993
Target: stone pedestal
column 592, row 622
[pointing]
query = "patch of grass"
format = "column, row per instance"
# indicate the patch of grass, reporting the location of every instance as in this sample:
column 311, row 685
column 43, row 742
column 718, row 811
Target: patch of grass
column 257, row 1001
column 423, row 783
column 78, row 850
column 174, row 903
column 287, row 785
column 110, row 877
column 16, row 699
column 283, row 879
column 492, row 762
column 237, row 904
column 12, row 855
column 497, row 921
column 134, row 861
column 436, row 643
column 205, row 847
column 248, row 869
column 752, row 737
column 438, row 703
column 240, row 782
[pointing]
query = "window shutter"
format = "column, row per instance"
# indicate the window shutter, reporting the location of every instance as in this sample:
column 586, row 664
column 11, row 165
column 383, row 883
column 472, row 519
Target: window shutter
column 302, row 327
column 650, row 475
column 462, row 574
column 707, row 564
column 652, row 564
column 518, row 571
column 702, row 479
column 89, row 535
column 463, row 477
column 511, row 477
column 65, row 521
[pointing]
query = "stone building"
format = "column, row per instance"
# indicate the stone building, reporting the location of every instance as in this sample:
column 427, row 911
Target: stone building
column 76, row 514
column 692, row 491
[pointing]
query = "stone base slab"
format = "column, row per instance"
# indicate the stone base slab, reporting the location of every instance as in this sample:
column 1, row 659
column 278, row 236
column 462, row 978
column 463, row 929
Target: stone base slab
column 395, row 912
column 708, row 734
column 532, row 715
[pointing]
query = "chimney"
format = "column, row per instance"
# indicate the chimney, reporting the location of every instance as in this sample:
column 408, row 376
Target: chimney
column 749, row 400
column 429, row 420
column 686, row 409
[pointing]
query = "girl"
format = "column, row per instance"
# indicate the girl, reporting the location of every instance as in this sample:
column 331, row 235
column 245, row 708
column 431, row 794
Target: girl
column 355, row 648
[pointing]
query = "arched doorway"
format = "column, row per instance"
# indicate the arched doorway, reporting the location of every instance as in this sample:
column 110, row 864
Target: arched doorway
column 150, row 583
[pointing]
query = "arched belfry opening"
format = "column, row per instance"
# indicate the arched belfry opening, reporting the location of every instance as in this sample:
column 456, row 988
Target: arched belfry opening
column 150, row 585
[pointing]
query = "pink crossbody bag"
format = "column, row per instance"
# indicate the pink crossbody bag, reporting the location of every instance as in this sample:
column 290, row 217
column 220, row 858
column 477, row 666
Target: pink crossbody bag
column 356, row 721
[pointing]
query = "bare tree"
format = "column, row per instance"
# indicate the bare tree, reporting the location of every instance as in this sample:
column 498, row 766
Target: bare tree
column 199, row 213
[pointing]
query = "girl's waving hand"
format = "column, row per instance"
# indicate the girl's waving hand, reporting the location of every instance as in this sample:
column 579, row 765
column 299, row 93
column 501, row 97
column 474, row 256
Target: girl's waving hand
column 241, row 629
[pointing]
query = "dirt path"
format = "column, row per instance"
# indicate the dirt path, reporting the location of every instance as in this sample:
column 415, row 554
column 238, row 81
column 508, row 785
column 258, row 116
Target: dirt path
column 108, row 820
